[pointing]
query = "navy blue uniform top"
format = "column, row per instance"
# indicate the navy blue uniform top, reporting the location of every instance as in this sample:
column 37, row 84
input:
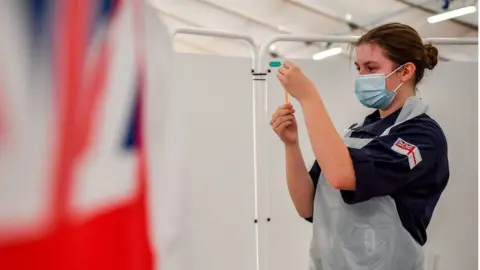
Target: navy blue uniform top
column 381, row 169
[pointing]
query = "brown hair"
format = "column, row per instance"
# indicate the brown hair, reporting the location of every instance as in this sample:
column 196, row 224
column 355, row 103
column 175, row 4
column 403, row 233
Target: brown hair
column 402, row 44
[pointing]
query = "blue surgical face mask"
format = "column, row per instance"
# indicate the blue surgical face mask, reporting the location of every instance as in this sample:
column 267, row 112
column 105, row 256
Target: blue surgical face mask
column 371, row 92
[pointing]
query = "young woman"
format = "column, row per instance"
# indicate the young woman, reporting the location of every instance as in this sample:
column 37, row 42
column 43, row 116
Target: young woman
column 371, row 193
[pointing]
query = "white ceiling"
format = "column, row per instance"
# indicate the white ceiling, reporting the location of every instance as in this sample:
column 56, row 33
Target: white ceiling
column 261, row 19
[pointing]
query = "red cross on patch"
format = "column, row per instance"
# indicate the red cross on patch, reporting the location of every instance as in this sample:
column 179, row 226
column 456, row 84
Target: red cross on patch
column 409, row 150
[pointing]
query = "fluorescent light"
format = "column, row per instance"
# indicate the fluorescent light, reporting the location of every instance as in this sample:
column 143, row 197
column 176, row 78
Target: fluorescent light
column 452, row 14
column 327, row 53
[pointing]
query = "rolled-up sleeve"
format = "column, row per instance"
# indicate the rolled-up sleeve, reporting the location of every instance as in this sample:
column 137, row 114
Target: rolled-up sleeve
column 389, row 163
column 314, row 173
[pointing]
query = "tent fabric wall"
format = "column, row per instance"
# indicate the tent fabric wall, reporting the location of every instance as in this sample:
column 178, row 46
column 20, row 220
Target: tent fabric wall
column 220, row 231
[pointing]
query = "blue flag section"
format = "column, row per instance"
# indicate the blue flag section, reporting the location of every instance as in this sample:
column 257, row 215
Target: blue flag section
column 131, row 140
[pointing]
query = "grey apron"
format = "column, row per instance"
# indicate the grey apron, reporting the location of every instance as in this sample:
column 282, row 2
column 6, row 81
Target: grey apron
column 367, row 235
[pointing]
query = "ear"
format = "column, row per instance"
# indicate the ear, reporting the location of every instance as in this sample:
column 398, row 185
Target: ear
column 407, row 72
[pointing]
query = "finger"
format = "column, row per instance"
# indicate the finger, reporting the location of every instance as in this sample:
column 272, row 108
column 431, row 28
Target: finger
column 291, row 66
column 282, row 110
column 288, row 65
column 294, row 120
column 282, row 70
column 281, row 77
column 285, row 106
column 283, row 126
column 282, row 119
column 281, row 113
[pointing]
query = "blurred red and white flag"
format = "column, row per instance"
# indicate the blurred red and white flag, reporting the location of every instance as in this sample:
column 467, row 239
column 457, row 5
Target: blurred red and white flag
column 90, row 137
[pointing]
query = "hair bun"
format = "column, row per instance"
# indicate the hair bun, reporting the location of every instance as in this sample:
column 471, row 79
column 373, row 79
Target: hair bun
column 431, row 56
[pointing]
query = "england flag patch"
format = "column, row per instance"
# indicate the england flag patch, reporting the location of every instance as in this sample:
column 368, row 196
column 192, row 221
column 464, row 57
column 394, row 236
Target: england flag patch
column 409, row 150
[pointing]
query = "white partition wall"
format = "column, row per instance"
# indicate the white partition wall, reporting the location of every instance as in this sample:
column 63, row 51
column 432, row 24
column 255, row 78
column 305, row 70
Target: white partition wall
column 220, row 229
column 451, row 91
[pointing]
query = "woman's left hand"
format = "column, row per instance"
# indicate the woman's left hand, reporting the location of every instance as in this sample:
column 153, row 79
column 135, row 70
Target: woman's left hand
column 295, row 82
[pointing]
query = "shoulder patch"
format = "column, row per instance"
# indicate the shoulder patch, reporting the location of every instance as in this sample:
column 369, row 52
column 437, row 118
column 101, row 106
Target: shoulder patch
column 411, row 151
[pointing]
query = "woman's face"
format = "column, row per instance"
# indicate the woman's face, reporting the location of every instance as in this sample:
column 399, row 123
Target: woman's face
column 370, row 60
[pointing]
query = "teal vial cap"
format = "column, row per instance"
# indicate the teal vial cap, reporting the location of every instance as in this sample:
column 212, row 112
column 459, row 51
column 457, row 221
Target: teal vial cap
column 275, row 64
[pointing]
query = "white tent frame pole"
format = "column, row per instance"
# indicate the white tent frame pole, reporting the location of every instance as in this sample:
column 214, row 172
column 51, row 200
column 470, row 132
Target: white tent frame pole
column 264, row 49
column 220, row 34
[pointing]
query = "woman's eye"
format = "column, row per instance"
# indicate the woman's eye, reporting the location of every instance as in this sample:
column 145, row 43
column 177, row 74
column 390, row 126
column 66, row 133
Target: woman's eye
column 371, row 68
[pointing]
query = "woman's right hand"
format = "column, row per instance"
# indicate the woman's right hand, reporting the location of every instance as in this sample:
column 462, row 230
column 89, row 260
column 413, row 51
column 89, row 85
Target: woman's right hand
column 284, row 124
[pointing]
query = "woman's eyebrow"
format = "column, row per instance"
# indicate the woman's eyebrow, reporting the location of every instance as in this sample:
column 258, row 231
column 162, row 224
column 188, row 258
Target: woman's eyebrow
column 371, row 62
